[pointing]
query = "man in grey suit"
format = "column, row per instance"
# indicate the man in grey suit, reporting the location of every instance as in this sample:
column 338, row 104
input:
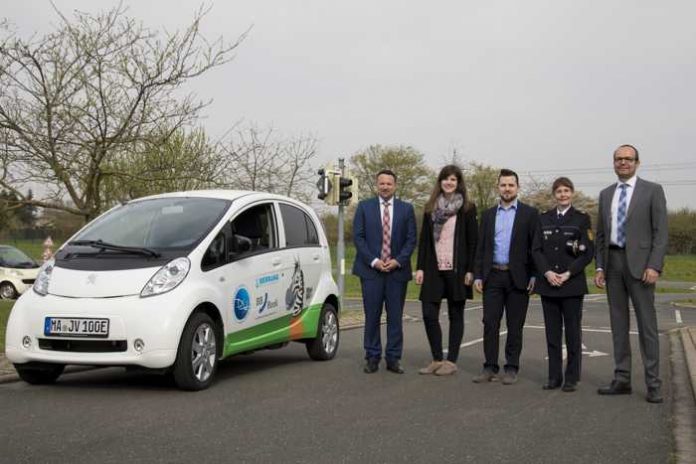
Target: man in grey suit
column 630, row 249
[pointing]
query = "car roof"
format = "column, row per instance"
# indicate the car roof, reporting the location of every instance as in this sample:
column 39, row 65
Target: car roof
column 222, row 194
column 219, row 194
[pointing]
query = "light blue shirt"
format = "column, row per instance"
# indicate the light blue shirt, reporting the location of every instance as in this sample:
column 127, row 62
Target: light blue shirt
column 504, row 219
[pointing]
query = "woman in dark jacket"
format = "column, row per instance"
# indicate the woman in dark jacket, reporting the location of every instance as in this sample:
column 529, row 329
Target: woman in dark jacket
column 445, row 264
column 562, row 248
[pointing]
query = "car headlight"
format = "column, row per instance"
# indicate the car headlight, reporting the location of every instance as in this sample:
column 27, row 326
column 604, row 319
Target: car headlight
column 44, row 277
column 167, row 278
column 15, row 273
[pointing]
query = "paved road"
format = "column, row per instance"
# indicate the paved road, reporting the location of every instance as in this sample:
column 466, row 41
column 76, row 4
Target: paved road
column 277, row 406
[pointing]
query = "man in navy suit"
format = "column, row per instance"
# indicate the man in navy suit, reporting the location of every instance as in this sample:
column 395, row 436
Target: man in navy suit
column 384, row 233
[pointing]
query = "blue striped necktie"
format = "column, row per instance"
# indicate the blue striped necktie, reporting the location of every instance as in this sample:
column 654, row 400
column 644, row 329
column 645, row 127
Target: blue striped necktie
column 621, row 217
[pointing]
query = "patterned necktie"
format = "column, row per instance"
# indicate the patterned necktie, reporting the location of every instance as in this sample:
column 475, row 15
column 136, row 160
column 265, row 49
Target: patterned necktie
column 621, row 217
column 386, row 233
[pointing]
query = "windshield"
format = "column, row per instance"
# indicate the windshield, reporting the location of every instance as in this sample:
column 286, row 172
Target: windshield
column 12, row 257
column 157, row 224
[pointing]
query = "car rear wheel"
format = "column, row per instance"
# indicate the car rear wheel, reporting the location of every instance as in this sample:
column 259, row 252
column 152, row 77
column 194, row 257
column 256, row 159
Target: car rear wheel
column 8, row 291
column 39, row 373
column 324, row 346
column 197, row 356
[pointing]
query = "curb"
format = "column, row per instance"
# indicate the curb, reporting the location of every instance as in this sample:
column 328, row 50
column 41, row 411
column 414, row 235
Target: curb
column 688, row 337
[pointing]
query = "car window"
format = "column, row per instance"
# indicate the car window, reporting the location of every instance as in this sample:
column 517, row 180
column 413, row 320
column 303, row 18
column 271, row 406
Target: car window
column 299, row 227
column 253, row 231
column 216, row 254
column 158, row 223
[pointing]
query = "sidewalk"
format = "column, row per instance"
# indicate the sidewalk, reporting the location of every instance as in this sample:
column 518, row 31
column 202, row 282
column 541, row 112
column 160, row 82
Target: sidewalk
column 688, row 338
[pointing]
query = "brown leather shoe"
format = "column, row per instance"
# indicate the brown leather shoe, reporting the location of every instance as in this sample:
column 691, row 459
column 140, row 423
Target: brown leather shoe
column 431, row 368
column 448, row 368
column 509, row 377
column 485, row 376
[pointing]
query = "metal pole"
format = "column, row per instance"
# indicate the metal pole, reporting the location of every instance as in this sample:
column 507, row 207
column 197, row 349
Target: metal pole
column 340, row 246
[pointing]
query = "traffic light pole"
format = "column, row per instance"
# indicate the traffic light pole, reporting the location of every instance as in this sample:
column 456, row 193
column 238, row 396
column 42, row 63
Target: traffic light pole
column 340, row 246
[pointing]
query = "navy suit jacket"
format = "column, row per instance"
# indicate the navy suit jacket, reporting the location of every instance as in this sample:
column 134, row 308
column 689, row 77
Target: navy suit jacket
column 367, row 236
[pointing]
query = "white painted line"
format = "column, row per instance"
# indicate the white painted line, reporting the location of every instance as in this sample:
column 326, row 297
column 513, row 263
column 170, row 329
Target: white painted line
column 472, row 342
column 677, row 316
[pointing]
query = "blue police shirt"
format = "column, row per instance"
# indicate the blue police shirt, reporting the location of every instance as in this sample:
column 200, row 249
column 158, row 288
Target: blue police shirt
column 504, row 219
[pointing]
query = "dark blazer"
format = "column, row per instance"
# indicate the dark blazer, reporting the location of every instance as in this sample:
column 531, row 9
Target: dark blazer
column 646, row 228
column 553, row 251
column 465, row 236
column 521, row 262
column 367, row 236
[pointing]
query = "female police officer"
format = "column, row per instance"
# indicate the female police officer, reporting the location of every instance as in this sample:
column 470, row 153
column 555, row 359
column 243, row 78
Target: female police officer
column 562, row 248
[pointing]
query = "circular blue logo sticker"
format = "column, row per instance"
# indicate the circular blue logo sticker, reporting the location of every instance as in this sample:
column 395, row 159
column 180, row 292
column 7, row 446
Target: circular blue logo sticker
column 242, row 303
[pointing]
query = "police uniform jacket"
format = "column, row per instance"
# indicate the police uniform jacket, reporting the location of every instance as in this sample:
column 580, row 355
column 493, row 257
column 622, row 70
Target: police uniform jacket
column 560, row 245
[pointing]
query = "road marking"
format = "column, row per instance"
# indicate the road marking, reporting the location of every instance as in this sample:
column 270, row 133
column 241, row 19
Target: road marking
column 591, row 354
column 677, row 316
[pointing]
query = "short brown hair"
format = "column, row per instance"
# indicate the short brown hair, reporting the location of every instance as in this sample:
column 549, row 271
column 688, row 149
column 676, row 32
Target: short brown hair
column 562, row 182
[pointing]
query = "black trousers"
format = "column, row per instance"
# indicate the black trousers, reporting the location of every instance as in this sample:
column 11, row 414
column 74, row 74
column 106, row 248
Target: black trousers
column 431, row 320
column 500, row 295
column 559, row 314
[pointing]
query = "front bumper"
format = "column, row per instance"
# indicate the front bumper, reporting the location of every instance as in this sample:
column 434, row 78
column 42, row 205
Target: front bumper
column 157, row 321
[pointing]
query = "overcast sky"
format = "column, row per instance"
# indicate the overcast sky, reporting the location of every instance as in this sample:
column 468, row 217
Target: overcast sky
column 546, row 88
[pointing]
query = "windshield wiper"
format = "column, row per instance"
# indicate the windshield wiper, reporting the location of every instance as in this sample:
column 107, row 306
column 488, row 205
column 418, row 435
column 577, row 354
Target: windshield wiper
column 113, row 247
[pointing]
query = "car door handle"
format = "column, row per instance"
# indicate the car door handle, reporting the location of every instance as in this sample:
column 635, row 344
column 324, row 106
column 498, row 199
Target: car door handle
column 316, row 257
column 276, row 262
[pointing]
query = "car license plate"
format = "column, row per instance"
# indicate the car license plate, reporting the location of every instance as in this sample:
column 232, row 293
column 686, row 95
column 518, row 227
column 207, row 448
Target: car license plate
column 76, row 327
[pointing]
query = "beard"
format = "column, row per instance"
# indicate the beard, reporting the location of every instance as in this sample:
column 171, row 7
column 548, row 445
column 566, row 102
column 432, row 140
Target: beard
column 508, row 198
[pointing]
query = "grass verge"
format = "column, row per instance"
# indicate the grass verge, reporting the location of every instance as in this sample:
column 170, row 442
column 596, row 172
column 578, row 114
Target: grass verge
column 5, row 307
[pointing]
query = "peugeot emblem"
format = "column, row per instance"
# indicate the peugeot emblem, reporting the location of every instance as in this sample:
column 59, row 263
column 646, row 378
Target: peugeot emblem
column 92, row 279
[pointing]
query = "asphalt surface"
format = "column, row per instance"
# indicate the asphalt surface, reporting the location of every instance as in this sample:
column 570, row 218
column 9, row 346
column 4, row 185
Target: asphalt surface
column 278, row 406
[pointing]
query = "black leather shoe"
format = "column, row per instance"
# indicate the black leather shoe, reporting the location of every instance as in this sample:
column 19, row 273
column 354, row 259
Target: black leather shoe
column 615, row 388
column 569, row 387
column 371, row 366
column 395, row 367
column 551, row 385
column 654, row 395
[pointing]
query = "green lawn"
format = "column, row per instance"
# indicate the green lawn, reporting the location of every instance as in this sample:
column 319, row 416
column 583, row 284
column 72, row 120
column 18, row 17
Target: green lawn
column 33, row 248
column 678, row 268
column 5, row 307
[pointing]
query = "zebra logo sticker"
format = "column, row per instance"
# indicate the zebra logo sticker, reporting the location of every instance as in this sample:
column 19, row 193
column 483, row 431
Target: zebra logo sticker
column 294, row 296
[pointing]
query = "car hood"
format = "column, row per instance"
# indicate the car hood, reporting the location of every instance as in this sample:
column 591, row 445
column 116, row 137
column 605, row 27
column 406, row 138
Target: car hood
column 99, row 284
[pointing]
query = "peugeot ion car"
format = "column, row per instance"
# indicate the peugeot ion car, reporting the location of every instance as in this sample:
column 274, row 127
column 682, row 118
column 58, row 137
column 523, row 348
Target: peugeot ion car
column 177, row 282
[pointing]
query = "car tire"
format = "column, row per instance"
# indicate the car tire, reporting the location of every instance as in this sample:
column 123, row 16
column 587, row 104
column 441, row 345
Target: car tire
column 325, row 345
column 39, row 373
column 198, row 354
column 8, row 291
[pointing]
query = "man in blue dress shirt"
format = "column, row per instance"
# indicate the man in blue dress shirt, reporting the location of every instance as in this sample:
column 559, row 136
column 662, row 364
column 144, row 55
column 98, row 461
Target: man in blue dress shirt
column 503, row 272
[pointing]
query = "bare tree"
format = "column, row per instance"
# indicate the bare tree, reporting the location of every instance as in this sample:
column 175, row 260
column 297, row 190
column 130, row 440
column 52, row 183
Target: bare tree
column 415, row 178
column 260, row 159
column 77, row 102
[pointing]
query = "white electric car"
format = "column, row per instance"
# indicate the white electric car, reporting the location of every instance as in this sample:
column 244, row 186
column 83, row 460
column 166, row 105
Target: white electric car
column 177, row 282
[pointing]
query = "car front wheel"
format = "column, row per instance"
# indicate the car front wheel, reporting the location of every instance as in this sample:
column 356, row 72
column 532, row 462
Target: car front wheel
column 197, row 356
column 324, row 346
column 39, row 373
column 8, row 291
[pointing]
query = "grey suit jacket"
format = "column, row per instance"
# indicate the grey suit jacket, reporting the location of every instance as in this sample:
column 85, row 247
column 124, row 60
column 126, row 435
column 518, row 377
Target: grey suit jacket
column 646, row 228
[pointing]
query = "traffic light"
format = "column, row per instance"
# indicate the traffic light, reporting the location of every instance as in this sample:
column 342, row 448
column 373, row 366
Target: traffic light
column 348, row 189
column 328, row 186
column 323, row 184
